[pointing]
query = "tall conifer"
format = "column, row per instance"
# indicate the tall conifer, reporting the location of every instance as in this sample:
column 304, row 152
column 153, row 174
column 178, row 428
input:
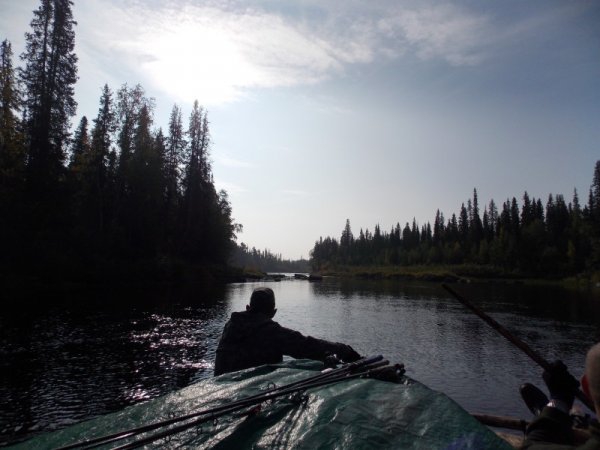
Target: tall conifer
column 12, row 157
column 48, row 78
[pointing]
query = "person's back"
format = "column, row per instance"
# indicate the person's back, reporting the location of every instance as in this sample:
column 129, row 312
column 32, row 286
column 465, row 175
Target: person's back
column 251, row 338
column 247, row 341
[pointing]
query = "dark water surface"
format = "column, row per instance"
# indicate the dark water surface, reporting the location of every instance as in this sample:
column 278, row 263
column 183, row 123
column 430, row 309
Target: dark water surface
column 100, row 351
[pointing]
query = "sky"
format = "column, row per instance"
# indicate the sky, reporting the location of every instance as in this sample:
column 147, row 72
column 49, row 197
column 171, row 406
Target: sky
column 373, row 111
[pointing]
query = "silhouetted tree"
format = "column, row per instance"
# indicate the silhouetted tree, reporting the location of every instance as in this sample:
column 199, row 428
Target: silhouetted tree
column 527, row 241
column 173, row 161
column 48, row 79
column 81, row 143
column 476, row 226
column 12, row 158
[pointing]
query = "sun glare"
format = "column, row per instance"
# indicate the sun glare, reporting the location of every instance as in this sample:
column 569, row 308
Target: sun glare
column 197, row 61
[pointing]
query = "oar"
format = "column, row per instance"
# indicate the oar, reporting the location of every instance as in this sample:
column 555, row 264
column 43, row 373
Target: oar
column 269, row 396
column 514, row 340
column 368, row 362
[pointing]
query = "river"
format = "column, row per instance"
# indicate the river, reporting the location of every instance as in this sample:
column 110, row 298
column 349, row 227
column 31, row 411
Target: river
column 97, row 352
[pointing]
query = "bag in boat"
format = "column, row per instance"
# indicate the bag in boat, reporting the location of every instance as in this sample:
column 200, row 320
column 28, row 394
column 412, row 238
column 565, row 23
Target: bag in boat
column 352, row 414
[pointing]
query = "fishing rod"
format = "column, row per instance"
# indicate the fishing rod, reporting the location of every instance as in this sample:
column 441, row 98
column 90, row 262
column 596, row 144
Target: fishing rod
column 269, row 396
column 371, row 362
column 514, row 340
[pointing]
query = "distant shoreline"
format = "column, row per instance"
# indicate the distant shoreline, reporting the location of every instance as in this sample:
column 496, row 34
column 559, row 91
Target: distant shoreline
column 176, row 273
column 457, row 273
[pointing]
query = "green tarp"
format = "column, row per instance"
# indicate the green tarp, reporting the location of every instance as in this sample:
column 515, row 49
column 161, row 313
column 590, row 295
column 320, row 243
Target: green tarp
column 353, row 414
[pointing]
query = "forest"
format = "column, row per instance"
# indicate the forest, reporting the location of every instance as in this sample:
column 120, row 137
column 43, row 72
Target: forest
column 551, row 239
column 119, row 192
column 256, row 260
column 116, row 191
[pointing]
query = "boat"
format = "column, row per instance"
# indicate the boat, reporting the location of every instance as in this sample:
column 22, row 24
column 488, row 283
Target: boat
column 354, row 412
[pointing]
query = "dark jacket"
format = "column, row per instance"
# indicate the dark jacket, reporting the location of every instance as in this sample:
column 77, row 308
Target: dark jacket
column 254, row 339
column 551, row 430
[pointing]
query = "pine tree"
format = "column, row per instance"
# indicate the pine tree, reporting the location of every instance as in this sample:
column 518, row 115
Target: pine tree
column 48, row 78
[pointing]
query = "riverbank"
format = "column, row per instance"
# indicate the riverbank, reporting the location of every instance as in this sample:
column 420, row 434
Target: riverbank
column 458, row 273
column 65, row 276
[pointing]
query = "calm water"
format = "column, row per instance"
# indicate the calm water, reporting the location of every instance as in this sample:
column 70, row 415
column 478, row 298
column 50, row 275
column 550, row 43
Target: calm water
column 99, row 352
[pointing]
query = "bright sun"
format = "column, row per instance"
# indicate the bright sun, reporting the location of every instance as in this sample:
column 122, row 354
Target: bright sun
column 199, row 61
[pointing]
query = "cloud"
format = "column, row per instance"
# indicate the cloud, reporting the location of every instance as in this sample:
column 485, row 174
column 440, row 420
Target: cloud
column 217, row 52
column 295, row 192
column 228, row 161
column 444, row 32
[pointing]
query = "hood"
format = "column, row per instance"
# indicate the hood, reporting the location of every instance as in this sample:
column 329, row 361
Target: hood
column 244, row 324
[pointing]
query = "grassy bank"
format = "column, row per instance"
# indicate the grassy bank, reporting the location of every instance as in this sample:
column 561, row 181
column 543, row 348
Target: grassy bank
column 455, row 273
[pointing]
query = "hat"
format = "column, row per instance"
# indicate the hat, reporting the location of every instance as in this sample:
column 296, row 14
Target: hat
column 262, row 300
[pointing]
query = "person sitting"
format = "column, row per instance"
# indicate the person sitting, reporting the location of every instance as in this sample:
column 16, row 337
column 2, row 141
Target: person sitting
column 552, row 429
column 252, row 338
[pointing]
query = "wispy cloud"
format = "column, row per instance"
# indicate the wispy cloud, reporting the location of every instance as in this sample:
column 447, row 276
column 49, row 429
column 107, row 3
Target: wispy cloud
column 217, row 51
column 444, row 31
column 295, row 192
column 228, row 161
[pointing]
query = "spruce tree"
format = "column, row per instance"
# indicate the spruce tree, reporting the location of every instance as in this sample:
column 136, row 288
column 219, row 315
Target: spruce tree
column 526, row 211
column 101, row 169
column 594, row 200
column 173, row 160
column 463, row 224
column 493, row 217
column 199, row 194
column 146, row 187
column 476, row 226
column 80, row 145
column 12, row 160
column 347, row 237
column 48, row 79
column 12, row 156
column 129, row 104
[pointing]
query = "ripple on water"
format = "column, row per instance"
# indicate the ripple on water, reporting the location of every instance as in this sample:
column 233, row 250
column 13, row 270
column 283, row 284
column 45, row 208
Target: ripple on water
column 65, row 365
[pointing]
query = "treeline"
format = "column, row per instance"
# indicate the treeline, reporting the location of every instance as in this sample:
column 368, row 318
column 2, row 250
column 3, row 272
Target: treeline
column 536, row 238
column 117, row 189
column 265, row 261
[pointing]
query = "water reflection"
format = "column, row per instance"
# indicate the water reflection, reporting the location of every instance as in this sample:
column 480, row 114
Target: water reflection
column 61, row 365
column 98, row 352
